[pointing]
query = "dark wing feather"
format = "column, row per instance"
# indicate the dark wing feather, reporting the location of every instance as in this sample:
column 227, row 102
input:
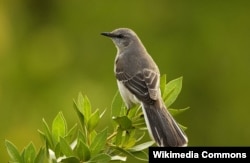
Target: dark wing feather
column 152, row 80
column 144, row 85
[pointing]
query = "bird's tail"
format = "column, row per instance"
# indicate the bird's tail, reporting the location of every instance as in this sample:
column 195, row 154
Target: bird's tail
column 162, row 126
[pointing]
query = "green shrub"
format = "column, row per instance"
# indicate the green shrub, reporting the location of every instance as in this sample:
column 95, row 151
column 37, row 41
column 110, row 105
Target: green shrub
column 83, row 143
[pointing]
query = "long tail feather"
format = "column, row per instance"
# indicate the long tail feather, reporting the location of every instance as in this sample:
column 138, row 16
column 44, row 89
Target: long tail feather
column 162, row 126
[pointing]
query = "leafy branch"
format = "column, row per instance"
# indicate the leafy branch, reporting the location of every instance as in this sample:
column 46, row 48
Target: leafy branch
column 84, row 143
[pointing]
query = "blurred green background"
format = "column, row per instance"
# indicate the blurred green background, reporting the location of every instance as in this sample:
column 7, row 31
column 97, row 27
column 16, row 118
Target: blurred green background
column 50, row 50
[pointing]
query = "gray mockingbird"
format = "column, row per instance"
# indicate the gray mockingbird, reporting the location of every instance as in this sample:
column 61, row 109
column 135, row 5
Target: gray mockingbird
column 138, row 80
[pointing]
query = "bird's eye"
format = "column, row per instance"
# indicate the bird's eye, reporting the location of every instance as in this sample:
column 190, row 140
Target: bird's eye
column 120, row 36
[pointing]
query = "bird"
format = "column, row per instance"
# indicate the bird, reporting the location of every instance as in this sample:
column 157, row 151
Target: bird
column 138, row 80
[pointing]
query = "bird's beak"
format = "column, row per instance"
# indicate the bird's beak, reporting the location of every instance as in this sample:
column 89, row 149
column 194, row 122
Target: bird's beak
column 108, row 34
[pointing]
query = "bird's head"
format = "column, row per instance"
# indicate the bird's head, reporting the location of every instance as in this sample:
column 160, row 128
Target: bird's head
column 122, row 37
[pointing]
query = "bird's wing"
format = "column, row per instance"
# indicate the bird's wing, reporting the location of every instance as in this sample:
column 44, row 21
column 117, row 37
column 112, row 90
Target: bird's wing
column 144, row 85
column 152, row 80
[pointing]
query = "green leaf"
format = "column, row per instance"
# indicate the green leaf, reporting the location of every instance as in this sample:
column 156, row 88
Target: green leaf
column 48, row 134
column 118, row 137
column 133, row 112
column 141, row 137
column 40, row 156
column 79, row 114
column 175, row 112
column 59, row 127
column 57, row 150
column 130, row 142
column 98, row 143
column 81, row 137
column 42, row 135
column 100, row 158
column 130, row 138
column 91, row 136
column 172, row 90
column 140, row 155
column 124, row 122
column 125, row 138
column 82, row 151
column 84, row 106
column 70, row 136
column 138, row 119
column 29, row 153
column 70, row 160
column 139, row 124
column 117, row 105
column 13, row 152
column 93, row 120
column 182, row 127
column 141, row 147
column 65, row 148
